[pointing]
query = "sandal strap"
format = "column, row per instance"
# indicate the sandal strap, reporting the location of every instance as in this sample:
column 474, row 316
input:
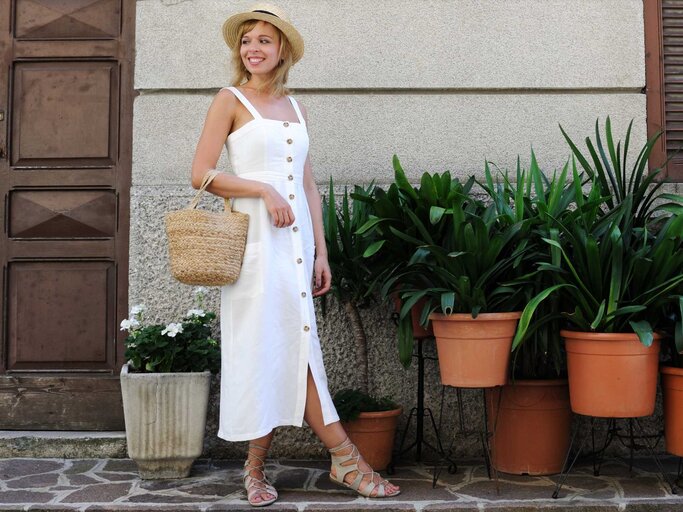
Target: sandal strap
column 342, row 470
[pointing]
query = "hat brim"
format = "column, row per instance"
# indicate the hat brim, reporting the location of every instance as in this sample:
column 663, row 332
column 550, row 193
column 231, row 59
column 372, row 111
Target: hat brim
column 232, row 25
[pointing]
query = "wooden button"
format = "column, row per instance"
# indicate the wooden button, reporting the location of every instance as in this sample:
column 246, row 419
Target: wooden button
column 303, row 294
column 295, row 229
column 289, row 158
column 306, row 328
column 290, row 177
column 285, row 124
column 299, row 260
column 291, row 196
column 289, row 141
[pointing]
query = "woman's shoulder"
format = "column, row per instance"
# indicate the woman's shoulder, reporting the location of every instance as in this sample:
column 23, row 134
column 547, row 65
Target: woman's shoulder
column 225, row 99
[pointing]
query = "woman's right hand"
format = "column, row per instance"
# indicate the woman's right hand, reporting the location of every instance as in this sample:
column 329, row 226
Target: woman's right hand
column 277, row 207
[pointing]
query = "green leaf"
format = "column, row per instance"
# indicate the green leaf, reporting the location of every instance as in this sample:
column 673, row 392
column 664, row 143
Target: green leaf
column 373, row 248
column 528, row 313
column 644, row 331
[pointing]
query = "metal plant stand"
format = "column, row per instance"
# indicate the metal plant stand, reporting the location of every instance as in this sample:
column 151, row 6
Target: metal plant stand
column 420, row 412
column 484, row 435
column 635, row 439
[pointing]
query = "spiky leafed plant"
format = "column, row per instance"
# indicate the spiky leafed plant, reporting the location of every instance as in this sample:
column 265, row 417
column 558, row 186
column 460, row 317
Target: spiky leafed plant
column 352, row 272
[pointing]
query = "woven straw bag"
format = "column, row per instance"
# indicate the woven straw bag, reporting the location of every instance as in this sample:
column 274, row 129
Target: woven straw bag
column 206, row 248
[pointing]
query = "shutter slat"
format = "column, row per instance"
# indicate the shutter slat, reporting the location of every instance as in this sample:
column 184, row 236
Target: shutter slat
column 672, row 56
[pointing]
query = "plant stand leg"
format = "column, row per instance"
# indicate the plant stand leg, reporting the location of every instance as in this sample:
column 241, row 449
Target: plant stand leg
column 420, row 412
column 567, row 466
column 484, row 434
column 653, row 454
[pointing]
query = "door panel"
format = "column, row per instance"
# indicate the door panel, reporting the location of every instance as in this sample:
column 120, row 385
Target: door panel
column 58, row 293
column 73, row 19
column 66, row 111
column 66, row 93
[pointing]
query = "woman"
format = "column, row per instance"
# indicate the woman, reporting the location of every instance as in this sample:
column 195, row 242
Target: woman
column 272, row 371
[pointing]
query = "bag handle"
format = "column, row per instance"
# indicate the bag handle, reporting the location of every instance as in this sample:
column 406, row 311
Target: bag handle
column 208, row 178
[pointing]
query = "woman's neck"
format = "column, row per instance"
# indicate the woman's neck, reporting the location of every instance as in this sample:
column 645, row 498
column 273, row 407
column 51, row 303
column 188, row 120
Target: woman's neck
column 259, row 86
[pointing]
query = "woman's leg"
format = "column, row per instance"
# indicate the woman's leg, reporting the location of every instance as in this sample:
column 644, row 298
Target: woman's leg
column 333, row 435
column 254, row 466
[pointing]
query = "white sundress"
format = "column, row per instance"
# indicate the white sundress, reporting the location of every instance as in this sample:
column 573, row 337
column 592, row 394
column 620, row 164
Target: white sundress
column 268, row 329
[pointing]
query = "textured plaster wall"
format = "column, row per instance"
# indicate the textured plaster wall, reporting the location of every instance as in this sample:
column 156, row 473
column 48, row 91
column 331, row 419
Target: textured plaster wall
column 444, row 84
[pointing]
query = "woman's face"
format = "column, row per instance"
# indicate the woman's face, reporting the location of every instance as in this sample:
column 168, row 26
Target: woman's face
column 260, row 48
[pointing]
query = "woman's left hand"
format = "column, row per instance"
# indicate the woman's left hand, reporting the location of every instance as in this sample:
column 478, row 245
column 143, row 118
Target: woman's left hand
column 322, row 278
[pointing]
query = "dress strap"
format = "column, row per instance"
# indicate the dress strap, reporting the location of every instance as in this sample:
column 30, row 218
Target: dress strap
column 243, row 99
column 298, row 111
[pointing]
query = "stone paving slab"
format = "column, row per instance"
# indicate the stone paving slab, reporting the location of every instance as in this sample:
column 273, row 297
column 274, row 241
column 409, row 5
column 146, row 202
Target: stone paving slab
column 113, row 485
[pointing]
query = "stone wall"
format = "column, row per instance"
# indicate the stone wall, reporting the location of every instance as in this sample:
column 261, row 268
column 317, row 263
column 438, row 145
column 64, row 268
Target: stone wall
column 444, row 84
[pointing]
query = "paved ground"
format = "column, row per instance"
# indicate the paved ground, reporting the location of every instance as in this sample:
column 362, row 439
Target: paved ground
column 113, row 485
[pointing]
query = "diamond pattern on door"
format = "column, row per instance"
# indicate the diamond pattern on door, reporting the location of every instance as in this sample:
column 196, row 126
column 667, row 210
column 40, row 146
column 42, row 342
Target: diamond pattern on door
column 62, row 214
column 67, row 19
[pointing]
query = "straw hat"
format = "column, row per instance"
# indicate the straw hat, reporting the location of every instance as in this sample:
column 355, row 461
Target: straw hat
column 273, row 15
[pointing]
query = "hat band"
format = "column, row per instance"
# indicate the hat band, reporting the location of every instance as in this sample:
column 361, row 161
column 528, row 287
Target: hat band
column 267, row 12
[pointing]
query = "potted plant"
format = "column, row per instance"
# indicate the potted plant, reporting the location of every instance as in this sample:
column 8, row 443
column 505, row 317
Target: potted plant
column 165, row 385
column 466, row 264
column 672, row 391
column 398, row 221
column 618, row 264
column 370, row 423
column 530, row 416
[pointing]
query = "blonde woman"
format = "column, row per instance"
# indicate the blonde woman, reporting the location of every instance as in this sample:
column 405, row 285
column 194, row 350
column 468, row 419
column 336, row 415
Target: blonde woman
column 272, row 369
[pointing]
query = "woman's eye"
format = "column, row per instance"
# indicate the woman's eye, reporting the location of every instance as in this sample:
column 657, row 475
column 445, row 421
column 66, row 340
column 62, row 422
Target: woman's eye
column 264, row 41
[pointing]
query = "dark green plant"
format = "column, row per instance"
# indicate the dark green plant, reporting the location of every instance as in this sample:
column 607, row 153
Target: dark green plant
column 476, row 266
column 400, row 222
column 616, row 181
column 186, row 346
column 351, row 402
column 618, row 257
column 353, row 274
column 541, row 200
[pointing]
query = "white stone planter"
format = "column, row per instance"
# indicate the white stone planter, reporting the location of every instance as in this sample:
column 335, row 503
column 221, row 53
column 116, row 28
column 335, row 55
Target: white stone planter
column 165, row 415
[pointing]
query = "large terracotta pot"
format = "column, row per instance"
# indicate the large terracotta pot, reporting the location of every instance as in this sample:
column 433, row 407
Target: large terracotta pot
column 672, row 389
column 611, row 375
column 419, row 332
column 531, row 425
column 373, row 433
column 474, row 352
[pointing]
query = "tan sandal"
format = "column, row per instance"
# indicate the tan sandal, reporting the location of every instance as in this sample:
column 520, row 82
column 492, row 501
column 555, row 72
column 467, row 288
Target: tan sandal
column 255, row 485
column 341, row 471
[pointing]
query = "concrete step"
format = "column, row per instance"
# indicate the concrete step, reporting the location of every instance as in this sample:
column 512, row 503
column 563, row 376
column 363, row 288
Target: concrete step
column 62, row 444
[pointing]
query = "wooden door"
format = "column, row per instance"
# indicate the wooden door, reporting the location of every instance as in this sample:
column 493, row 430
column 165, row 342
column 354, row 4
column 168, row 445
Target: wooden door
column 66, row 94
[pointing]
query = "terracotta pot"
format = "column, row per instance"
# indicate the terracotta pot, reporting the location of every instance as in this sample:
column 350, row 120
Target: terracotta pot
column 672, row 389
column 373, row 433
column 474, row 352
column 611, row 375
column 531, row 425
column 419, row 332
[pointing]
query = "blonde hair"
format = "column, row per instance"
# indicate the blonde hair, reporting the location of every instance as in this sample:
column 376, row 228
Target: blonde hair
column 277, row 82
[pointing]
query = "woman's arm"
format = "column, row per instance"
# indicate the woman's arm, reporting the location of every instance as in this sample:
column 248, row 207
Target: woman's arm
column 219, row 120
column 322, row 272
